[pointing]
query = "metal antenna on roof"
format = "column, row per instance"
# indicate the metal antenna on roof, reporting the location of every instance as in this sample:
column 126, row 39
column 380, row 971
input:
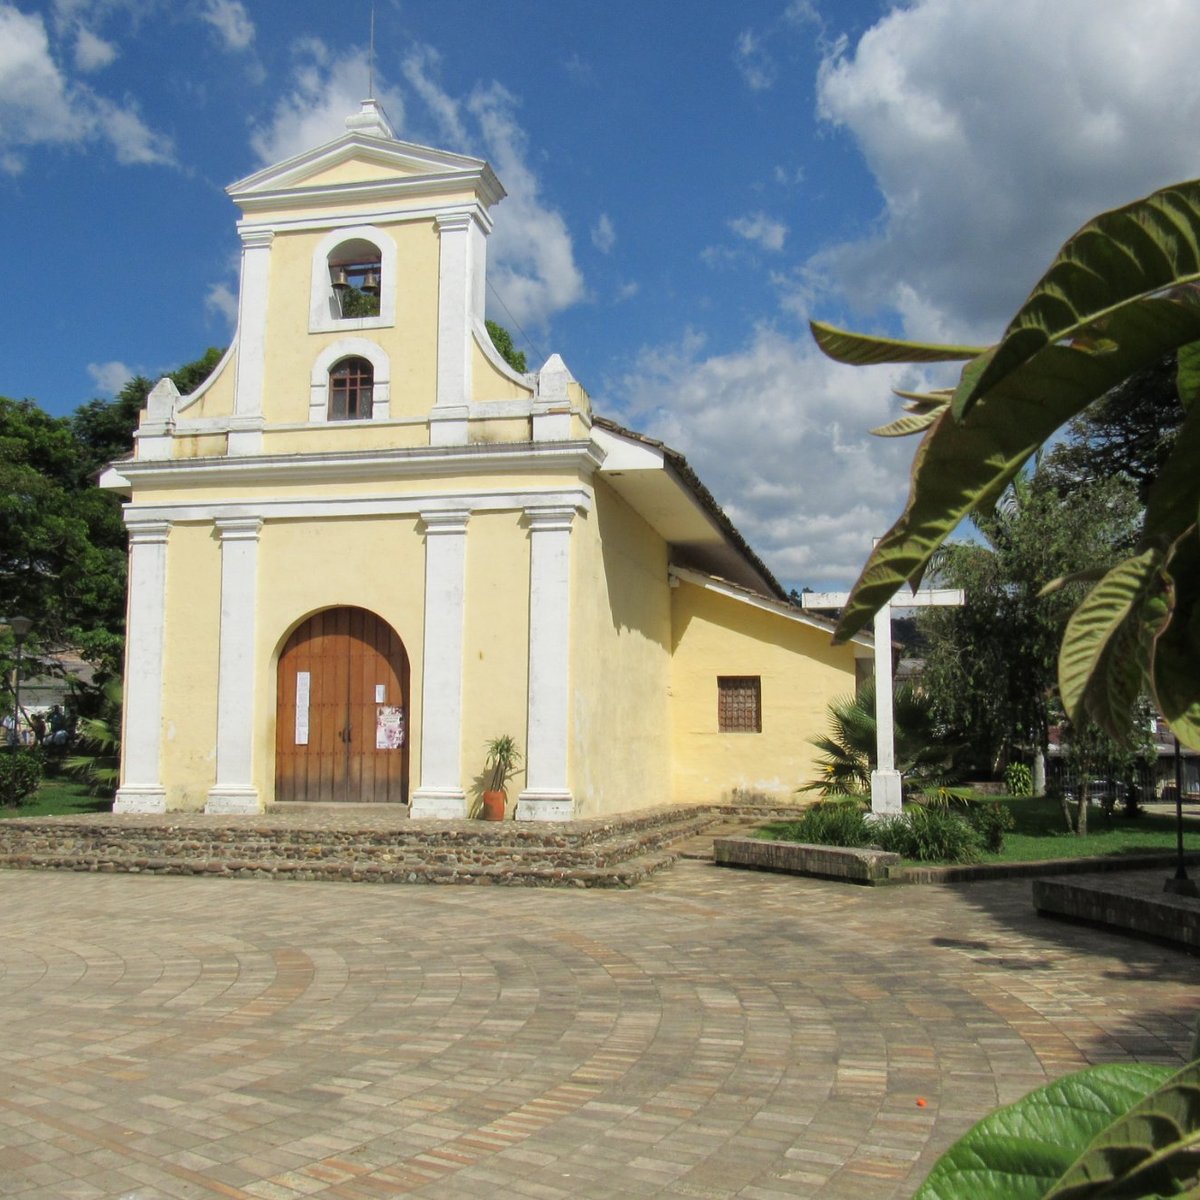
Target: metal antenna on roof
column 371, row 58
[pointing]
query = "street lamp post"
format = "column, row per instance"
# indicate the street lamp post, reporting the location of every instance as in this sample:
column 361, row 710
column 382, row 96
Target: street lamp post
column 20, row 627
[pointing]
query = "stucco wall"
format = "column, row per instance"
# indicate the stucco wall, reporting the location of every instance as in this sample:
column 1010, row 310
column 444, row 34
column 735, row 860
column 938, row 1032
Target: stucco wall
column 190, row 657
column 800, row 672
column 620, row 661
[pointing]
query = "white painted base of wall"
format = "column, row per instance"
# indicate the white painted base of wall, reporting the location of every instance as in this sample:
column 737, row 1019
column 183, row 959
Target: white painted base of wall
column 140, row 800
column 438, row 804
column 885, row 793
column 546, row 805
column 232, row 801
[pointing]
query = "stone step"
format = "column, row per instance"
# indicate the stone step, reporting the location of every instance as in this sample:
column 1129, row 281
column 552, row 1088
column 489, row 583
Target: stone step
column 596, row 853
column 623, row 873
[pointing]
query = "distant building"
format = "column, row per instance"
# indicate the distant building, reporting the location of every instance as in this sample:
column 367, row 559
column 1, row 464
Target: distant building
column 366, row 545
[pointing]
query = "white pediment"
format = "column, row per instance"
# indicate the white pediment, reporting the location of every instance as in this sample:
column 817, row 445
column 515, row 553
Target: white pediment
column 360, row 159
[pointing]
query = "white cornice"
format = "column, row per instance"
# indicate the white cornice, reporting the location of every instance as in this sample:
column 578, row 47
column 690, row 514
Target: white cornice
column 334, row 467
column 373, row 191
column 712, row 583
column 159, row 517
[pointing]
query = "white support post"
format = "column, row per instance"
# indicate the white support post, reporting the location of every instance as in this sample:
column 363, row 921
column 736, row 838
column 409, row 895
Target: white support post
column 448, row 420
column 546, row 796
column 141, row 789
column 234, row 791
column 245, row 432
column 441, row 793
column 886, row 789
column 886, row 782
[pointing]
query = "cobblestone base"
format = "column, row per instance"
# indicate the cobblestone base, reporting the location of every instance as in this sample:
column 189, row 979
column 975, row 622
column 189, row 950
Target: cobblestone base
column 363, row 845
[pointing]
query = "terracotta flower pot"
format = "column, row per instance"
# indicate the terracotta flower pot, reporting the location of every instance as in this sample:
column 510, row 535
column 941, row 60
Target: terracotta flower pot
column 493, row 806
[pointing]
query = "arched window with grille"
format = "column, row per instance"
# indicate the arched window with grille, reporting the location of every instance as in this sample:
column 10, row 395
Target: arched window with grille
column 351, row 390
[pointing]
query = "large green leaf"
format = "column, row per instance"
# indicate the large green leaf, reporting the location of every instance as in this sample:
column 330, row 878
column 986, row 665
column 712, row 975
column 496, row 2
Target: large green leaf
column 1174, row 497
column 861, row 349
column 1105, row 655
column 1187, row 374
column 1153, row 1150
column 1118, row 258
column 1176, row 663
column 1019, row 1152
column 963, row 465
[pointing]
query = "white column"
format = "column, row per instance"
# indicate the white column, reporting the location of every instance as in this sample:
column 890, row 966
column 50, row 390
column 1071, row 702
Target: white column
column 245, row 432
column 885, row 779
column 546, row 796
column 448, row 420
column 234, row 791
column 141, row 788
column 441, row 793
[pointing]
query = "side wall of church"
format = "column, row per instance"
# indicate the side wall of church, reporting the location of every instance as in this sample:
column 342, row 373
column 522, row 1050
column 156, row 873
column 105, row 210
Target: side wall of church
column 620, row 661
column 799, row 672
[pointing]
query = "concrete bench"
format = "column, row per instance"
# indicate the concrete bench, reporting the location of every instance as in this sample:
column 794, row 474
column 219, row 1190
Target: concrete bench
column 850, row 864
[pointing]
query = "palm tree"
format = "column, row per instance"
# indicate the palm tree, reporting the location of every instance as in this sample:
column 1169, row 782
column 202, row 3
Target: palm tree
column 923, row 754
column 98, row 758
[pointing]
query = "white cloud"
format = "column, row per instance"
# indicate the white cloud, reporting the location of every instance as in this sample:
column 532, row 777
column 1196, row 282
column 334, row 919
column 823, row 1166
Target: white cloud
column 604, row 235
column 92, row 53
column 994, row 128
column 110, row 377
column 531, row 256
column 231, row 21
column 39, row 106
column 420, row 66
column 325, row 91
column 760, row 229
column 779, row 434
column 756, row 66
column 222, row 300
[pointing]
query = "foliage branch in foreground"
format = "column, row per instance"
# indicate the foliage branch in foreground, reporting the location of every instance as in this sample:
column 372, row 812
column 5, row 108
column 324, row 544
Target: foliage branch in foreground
column 1117, row 1131
column 1120, row 295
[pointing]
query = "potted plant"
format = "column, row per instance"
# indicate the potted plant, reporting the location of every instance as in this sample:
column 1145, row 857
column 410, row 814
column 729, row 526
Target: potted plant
column 503, row 757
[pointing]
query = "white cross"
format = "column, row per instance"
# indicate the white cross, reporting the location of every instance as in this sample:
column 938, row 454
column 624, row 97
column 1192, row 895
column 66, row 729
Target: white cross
column 885, row 779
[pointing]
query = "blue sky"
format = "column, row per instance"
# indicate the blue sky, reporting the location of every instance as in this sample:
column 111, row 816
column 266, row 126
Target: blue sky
column 688, row 183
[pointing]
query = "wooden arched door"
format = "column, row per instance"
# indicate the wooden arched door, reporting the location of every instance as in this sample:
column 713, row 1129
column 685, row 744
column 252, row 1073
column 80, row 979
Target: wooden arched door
column 342, row 715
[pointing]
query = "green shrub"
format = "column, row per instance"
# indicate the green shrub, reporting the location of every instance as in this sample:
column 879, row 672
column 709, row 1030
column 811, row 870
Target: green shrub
column 1018, row 778
column 832, row 823
column 928, row 835
column 991, row 821
column 20, row 774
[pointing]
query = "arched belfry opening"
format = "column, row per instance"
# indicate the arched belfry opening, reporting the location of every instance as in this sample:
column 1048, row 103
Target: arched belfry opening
column 343, row 711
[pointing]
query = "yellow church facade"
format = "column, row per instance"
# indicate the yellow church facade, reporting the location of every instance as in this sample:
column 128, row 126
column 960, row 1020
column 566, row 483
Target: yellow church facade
column 366, row 546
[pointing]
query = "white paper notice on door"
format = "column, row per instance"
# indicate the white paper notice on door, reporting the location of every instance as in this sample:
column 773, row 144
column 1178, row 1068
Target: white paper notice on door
column 303, row 684
column 389, row 727
column 381, row 693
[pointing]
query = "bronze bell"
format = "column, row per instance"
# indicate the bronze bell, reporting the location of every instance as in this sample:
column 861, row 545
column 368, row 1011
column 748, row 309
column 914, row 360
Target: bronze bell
column 341, row 282
column 370, row 284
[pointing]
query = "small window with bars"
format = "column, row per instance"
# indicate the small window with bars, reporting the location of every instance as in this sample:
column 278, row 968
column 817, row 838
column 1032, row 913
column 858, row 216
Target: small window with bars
column 351, row 385
column 739, row 704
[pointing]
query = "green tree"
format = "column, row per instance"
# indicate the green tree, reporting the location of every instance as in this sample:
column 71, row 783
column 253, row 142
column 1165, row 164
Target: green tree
column 503, row 342
column 62, row 541
column 990, row 666
column 1120, row 295
column 923, row 754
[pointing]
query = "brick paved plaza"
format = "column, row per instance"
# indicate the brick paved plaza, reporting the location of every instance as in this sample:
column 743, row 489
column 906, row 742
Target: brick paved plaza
column 710, row 1034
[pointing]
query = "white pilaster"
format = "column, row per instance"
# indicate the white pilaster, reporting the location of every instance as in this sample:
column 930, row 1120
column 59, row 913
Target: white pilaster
column 141, row 788
column 885, row 779
column 546, row 796
column 245, row 434
column 234, row 790
column 441, row 793
column 448, row 420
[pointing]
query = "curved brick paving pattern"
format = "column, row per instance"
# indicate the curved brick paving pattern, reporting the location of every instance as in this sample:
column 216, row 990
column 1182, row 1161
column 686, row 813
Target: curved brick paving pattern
column 711, row 1034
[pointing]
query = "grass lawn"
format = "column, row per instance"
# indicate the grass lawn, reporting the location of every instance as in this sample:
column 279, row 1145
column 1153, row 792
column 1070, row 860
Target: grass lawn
column 60, row 797
column 1041, row 833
